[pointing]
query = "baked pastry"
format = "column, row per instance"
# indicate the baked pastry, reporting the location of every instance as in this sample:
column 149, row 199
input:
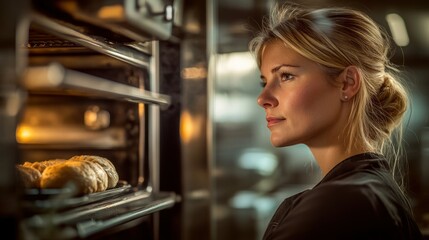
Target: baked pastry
column 109, row 168
column 78, row 174
column 29, row 177
column 43, row 164
column 86, row 173
column 99, row 173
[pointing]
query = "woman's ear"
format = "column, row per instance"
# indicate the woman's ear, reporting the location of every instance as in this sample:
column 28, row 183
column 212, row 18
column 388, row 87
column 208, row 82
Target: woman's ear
column 350, row 80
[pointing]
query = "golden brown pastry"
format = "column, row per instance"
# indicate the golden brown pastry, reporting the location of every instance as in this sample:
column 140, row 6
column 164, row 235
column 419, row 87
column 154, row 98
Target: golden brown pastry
column 88, row 174
column 30, row 177
column 43, row 164
column 107, row 165
column 99, row 173
column 78, row 173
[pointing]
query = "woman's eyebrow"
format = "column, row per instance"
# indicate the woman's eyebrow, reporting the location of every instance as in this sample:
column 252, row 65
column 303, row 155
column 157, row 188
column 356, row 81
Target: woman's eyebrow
column 277, row 68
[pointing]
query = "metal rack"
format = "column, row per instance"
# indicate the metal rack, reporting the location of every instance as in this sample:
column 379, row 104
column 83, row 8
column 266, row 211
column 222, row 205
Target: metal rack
column 55, row 76
column 86, row 38
column 98, row 216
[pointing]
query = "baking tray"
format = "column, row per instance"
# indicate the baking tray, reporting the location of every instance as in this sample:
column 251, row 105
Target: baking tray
column 42, row 200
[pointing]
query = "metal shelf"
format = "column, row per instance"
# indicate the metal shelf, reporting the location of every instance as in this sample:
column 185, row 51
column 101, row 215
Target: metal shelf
column 91, row 219
column 138, row 20
column 155, row 205
column 82, row 36
column 55, row 76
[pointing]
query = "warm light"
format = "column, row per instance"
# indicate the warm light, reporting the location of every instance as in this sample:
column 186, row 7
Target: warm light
column 190, row 126
column 111, row 12
column 90, row 117
column 185, row 127
column 23, row 134
column 70, row 6
column 96, row 118
column 194, row 73
column 398, row 29
column 193, row 27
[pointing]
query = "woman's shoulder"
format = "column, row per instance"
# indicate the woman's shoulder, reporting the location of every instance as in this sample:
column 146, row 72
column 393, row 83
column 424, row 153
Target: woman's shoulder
column 353, row 196
column 344, row 210
column 360, row 190
column 360, row 196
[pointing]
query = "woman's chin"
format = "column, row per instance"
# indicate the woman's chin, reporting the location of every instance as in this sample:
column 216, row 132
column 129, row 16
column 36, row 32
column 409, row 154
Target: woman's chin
column 278, row 143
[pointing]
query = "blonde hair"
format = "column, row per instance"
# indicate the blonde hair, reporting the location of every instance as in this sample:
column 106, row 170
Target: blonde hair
column 337, row 38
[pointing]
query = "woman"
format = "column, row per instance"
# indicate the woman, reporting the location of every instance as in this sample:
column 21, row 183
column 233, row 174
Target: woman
column 328, row 83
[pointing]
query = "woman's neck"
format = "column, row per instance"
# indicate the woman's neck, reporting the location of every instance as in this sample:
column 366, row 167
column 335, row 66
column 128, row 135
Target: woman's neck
column 329, row 157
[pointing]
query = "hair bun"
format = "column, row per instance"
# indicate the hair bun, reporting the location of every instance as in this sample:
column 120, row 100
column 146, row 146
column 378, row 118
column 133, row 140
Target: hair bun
column 391, row 101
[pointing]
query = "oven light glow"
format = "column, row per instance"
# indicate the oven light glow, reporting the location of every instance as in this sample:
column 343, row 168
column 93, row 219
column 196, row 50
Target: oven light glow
column 96, row 118
column 111, row 12
column 23, row 134
column 90, row 116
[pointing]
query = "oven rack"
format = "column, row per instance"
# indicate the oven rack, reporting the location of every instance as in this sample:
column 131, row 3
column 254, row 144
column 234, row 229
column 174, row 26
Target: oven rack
column 88, row 220
column 136, row 19
column 54, row 76
column 136, row 54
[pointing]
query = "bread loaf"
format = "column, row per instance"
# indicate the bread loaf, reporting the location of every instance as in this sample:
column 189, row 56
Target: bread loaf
column 99, row 173
column 87, row 173
column 41, row 166
column 109, row 168
column 78, row 173
column 29, row 177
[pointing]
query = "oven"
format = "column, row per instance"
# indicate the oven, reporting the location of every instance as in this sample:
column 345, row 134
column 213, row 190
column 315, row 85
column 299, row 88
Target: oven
column 98, row 78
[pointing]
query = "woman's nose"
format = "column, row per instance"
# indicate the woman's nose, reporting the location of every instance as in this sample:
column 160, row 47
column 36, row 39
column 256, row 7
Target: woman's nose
column 266, row 99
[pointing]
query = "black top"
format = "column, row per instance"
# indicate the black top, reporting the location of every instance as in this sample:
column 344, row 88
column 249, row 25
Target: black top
column 357, row 199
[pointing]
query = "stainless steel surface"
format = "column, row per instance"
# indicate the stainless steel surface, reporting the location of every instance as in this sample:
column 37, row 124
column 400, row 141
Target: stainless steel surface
column 196, row 221
column 154, row 126
column 154, row 135
column 155, row 205
column 56, row 76
column 140, row 20
column 46, row 200
column 93, row 218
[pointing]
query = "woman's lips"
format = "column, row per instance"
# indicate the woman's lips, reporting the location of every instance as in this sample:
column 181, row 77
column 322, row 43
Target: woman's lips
column 271, row 121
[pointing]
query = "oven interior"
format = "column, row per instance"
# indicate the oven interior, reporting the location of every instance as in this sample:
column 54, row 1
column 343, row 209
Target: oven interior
column 91, row 87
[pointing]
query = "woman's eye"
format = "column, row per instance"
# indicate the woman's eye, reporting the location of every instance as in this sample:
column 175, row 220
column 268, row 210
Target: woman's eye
column 263, row 84
column 286, row 76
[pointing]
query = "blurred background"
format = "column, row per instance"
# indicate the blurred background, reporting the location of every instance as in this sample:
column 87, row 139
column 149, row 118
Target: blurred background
column 250, row 178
